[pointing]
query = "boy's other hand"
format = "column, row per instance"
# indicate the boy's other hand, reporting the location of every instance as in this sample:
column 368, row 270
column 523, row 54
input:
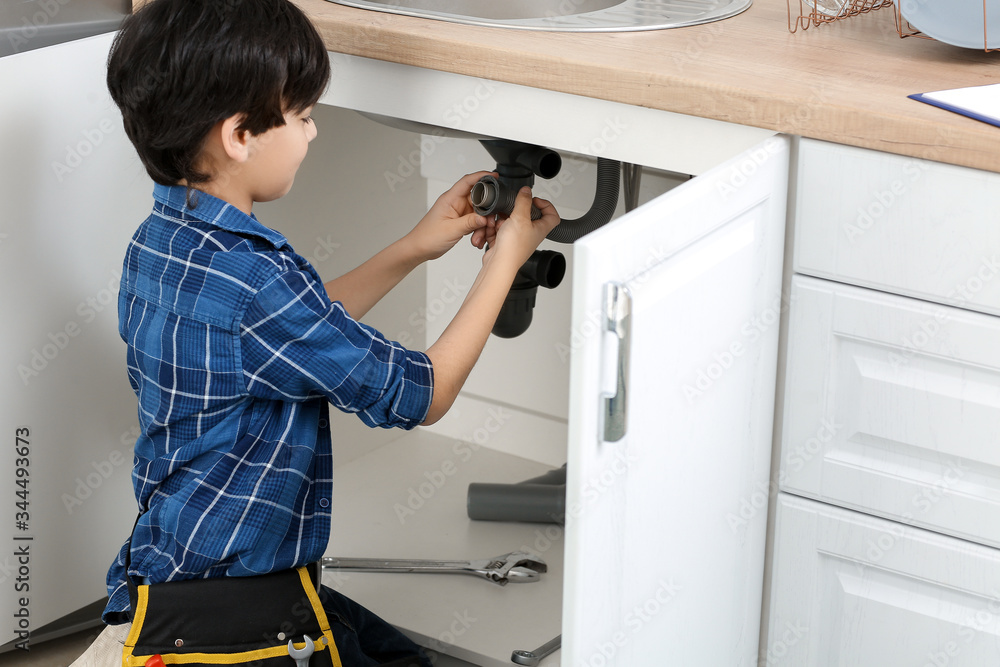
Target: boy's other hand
column 518, row 235
column 449, row 219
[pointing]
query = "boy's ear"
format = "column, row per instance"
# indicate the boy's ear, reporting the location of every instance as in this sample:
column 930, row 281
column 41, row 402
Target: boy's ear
column 235, row 140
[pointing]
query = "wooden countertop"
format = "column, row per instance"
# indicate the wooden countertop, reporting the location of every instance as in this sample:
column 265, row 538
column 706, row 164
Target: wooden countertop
column 844, row 82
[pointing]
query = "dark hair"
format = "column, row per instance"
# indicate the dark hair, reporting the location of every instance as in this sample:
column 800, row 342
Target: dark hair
column 178, row 67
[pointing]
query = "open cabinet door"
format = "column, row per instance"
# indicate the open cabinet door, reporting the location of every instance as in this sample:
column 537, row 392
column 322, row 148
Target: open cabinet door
column 675, row 330
column 72, row 192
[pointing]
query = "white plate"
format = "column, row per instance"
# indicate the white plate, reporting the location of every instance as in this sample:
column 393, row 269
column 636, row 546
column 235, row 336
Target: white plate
column 958, row 22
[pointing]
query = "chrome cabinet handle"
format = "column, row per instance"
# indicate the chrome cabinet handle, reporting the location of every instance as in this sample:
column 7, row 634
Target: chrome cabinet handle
column 618, row 321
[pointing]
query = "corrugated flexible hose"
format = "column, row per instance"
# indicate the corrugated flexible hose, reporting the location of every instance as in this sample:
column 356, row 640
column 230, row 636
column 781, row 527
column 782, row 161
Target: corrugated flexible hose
column 601, row 210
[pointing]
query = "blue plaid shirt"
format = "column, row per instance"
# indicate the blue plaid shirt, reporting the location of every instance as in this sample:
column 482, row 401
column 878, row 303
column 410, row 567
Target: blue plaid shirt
column 234, row 351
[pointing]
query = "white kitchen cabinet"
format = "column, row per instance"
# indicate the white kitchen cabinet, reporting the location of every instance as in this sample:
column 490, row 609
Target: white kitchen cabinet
column 671, row 401
column 867, row 592
column 898, row 224
column 658, row 562
column 890, row 395
column 893, row 408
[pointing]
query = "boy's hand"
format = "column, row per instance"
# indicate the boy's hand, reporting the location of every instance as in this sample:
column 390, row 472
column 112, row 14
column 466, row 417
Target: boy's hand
column 518, row 235
column 449, row 219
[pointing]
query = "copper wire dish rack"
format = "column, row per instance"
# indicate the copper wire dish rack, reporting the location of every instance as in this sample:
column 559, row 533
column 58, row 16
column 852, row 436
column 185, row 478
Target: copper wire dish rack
column 805, row 13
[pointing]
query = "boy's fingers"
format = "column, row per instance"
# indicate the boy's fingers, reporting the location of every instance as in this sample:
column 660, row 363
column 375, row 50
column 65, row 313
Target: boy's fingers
column 548, row 211
column 542, row 204
column 522, row 204
column 491, row 231
column 472, row 222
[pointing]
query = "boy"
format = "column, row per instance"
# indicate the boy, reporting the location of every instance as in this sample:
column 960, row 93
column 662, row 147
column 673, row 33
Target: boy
column 236, row 347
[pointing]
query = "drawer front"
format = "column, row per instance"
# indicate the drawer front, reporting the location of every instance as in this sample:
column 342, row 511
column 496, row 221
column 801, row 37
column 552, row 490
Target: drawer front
column 898, row 224
column 849, row 589
column 892, row 406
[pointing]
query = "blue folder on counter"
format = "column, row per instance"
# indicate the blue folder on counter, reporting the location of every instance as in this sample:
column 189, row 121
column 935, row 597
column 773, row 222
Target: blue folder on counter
column 979, row 102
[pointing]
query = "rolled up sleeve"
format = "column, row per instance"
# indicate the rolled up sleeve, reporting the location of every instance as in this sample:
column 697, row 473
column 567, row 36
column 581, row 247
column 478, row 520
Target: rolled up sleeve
column 295, row 344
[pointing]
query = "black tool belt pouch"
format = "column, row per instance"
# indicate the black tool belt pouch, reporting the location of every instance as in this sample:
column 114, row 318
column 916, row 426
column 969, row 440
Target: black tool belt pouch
column 230, row 621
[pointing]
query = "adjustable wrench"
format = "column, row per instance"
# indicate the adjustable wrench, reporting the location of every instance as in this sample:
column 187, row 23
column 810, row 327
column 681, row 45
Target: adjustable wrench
column 516, row 567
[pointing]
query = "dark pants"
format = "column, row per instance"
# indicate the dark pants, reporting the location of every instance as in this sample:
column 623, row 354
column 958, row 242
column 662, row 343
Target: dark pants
column 364, row 639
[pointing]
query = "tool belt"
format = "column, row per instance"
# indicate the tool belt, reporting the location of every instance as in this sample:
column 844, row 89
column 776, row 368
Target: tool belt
column 230, row 621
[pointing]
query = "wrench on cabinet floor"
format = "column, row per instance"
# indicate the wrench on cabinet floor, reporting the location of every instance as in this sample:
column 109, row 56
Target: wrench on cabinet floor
column 516, row 567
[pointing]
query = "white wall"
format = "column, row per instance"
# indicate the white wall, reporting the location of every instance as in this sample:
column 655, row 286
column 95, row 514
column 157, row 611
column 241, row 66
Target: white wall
column 71, row 194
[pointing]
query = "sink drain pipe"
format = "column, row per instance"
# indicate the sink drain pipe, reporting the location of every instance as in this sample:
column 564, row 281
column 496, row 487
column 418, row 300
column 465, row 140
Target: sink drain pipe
column 517, row 166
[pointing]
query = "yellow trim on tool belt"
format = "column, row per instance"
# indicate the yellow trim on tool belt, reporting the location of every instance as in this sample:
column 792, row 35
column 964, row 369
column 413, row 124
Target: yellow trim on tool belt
column 133, row 635
column 324, row 623
column 223, row 658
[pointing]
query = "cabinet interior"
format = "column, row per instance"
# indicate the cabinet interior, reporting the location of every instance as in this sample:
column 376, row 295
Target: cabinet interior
column 402, row 494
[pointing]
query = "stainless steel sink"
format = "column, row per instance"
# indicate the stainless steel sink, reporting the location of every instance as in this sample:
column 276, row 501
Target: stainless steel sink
column 563, row 15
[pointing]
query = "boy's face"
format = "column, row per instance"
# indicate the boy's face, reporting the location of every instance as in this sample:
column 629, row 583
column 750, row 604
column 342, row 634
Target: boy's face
column 275, row 156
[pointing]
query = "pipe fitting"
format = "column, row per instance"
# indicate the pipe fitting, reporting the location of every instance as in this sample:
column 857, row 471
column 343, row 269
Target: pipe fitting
column 493, row 196
column 545, row 268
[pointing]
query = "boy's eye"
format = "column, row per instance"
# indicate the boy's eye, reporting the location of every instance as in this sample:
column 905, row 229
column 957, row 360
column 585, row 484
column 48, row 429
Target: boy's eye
column 307, row 119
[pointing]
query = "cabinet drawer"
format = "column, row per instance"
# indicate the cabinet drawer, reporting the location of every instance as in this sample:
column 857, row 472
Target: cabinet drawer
column 898, row 224
column 849, row 589
column 892, row 406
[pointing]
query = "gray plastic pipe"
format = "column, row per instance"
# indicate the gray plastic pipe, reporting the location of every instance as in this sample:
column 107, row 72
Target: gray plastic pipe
column 601, row 210
column 537, row 500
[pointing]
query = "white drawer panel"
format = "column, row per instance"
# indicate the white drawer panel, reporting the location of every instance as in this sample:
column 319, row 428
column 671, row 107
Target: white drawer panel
column 849, row 589
column 898, row 224
column 892, row 406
